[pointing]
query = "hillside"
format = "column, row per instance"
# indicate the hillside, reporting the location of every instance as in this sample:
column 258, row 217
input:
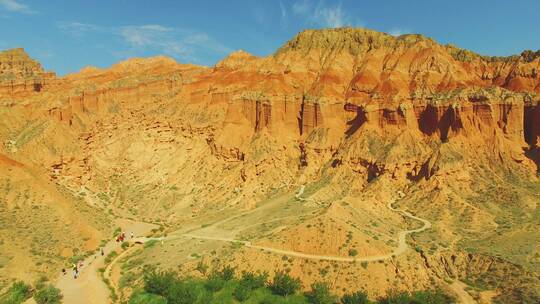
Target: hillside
column 300, row 151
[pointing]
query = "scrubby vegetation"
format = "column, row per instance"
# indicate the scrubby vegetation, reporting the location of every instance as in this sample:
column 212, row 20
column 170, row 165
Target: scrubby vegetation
column 225, row 286
column 19, row 292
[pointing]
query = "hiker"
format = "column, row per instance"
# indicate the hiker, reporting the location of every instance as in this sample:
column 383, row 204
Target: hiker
column 132, row 235
column 75, row 271
column 63, row 271
column 102, row 252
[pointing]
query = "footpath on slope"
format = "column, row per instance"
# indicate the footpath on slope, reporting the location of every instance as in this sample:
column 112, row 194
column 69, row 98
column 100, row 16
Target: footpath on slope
column 89, row 287
column 402, row 241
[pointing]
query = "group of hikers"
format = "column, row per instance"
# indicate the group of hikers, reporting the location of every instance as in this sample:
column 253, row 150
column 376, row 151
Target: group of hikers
column 78, row 265
column 75, row 268
column 122, row 236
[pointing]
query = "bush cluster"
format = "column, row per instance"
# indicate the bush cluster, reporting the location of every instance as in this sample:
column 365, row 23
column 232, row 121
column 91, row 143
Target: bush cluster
column 43, row 293
column 222, row 286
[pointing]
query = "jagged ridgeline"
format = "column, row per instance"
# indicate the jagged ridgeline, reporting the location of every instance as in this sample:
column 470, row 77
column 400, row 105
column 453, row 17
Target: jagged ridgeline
column 288, row 162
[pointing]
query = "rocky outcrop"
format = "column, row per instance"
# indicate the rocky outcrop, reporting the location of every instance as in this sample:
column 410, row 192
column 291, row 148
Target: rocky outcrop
column 531, row 124
column 19, row 72
column 308, row 87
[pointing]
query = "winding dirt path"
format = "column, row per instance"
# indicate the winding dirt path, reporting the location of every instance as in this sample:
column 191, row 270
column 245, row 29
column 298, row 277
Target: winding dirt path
column 110, row 266
column 89, row 287
column 464, row 297
column 402, row 241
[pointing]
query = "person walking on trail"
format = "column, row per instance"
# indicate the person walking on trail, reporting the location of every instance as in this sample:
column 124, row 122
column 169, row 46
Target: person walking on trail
column 132, row 235
column 63, row 271
column 75, row 271
column 102, row 252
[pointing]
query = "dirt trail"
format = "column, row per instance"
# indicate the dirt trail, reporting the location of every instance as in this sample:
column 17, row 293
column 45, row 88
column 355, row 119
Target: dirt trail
column 89, row 288
column 108, row 270
column 402, row 241
column 464, row 297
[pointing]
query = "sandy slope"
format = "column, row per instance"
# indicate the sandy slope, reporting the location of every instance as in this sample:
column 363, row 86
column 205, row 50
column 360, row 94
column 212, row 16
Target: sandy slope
column 402, row 241
column 458, row 288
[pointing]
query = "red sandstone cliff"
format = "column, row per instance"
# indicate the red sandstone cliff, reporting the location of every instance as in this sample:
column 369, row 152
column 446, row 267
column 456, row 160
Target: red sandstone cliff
column 336, row 80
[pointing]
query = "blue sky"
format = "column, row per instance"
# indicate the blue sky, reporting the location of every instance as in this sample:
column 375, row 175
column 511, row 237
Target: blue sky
column 68, row 35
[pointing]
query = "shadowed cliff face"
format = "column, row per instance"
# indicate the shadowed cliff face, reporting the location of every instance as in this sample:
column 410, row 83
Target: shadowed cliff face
column 356, row 114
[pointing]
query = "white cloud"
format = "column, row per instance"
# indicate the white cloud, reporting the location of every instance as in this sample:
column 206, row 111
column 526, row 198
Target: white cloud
column 143, row 35
column 186, row 45
column 15, row 6
column 173, row 42
column 331, row 16
column 398, row 32
column 301, row 7
column 283, row 11
column 321, row 14
column 77, row 29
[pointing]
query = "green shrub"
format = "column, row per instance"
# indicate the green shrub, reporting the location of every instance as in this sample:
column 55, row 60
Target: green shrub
column 417, row 297
column 110, row 257
column 320, row 294
column 242, row 292
column 358, row 297
column 159, row 282
column 48, row 295
column 201, row 267
column 150, row 243
column 127, row 279
column 227, row 273
column 182, row 293
column 432, row 297
column 353, row 252
column 17, row 293
column 125, row 245
column 254, row 281
column 285, row 285
column 146, row 298
column 214, row 282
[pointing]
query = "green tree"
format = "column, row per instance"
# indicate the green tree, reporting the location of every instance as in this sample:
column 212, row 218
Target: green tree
column 146, row 298
column 182, row 293
column 242, row 292
column 227, row 273
column 358, row 297
column 159, row 283
column 396, row 298
column 48, row 295
column 254, row 281
column 214, row 282
column 431, row 297
column 320, row 294
column 284, row 285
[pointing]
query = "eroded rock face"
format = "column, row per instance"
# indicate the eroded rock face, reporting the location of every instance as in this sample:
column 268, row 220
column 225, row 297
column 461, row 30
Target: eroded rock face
column 20, row 72
column 358, row 113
